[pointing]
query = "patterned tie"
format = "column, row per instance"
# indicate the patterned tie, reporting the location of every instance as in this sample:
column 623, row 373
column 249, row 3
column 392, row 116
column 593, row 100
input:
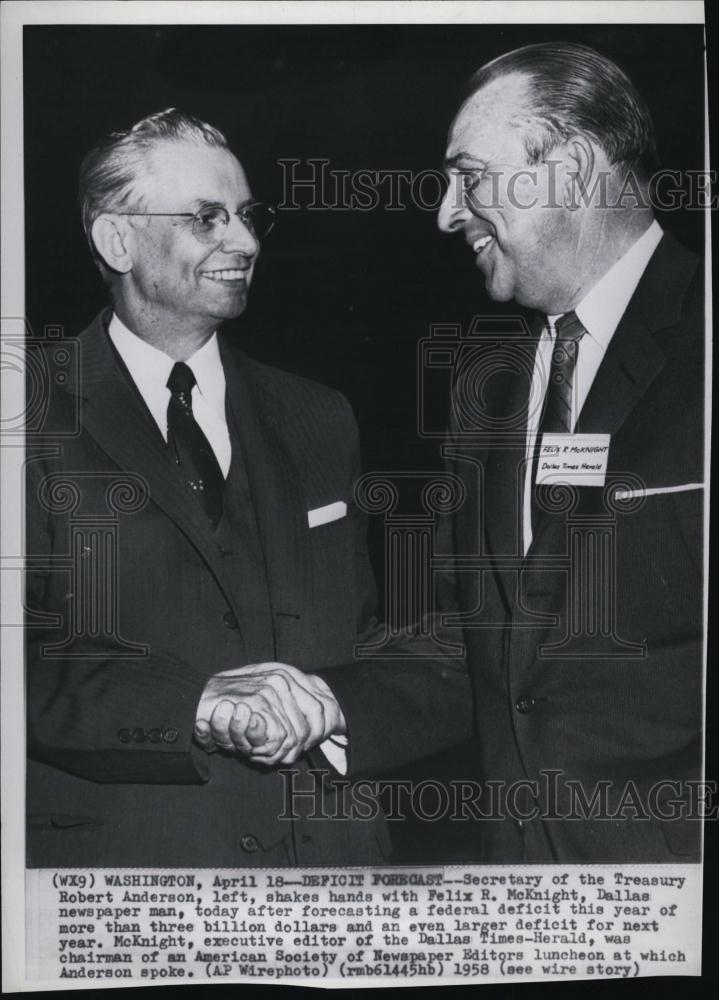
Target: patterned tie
column 557, row 418
column 192, row 451
column 557, row 413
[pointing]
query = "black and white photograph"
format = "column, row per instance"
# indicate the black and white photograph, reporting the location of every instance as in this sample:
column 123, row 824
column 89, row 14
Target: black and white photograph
column 355, row 447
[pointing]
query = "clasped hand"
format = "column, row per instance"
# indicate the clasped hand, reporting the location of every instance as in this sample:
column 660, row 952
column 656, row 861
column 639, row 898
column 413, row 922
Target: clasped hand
column 270, row 712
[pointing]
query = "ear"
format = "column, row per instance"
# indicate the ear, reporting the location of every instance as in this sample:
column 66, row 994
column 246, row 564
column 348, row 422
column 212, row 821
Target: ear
column 110, row 236
column 578, row 159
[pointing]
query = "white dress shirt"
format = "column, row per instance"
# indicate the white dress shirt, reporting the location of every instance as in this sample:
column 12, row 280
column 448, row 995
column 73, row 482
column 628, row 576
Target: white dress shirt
column 599, row 312
column 150, row 369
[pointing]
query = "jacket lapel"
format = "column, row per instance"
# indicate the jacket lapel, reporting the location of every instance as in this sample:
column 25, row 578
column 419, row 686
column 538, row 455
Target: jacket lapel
column 634, row 357
column 632, row 362
column 114, row 415
column 275, row 484
column 504, row 475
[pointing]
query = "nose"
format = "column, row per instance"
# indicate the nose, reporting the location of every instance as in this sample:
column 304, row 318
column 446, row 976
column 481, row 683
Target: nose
column 239, row 238
column 453, row 212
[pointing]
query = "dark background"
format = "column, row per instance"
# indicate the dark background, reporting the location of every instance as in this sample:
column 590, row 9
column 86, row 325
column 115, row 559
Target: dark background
column 339, row 296
column 343, row 297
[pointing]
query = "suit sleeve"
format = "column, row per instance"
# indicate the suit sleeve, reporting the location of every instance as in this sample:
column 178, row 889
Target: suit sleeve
column 81, row 696
column 414, row 699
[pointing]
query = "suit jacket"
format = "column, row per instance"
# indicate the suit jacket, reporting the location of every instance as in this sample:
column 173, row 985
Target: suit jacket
column 133, row 602
column 592, row 737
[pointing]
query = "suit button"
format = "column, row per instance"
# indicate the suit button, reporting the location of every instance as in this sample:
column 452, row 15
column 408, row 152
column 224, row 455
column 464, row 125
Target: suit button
column 520, row 824
column 229, row 619
column 138, row 735
column 170, row 735
column 249, row 843
column 525, row 704
column 124, row 735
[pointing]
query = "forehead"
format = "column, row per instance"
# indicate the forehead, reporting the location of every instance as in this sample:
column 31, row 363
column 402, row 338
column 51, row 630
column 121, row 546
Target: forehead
column 186, row 172
column 491, row 118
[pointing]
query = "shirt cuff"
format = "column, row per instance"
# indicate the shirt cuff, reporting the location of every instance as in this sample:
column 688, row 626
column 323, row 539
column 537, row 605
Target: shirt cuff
column 335, row 751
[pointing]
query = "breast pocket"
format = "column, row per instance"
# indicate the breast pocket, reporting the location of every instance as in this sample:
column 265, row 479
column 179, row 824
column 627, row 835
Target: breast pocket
column 332, row 534
column 674, row 523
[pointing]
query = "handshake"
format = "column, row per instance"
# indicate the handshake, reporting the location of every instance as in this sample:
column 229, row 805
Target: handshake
column 269, row 712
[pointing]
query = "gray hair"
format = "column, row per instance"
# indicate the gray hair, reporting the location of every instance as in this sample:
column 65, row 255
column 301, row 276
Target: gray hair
column 109, row 172
column 575, row 90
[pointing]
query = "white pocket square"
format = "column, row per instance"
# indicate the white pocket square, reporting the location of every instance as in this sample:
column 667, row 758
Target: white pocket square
column 652, row 490
column 323, row 515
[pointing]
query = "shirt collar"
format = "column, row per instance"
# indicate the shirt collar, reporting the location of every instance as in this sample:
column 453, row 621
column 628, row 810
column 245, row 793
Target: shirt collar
column 206, row 365
column 604, row 305
column 150, row 367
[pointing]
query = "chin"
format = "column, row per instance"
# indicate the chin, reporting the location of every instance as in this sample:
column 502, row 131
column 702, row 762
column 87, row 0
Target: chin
column 231, row 314
column 498, row 294
column 530, row 301
column 496, row 289
column 231, row 310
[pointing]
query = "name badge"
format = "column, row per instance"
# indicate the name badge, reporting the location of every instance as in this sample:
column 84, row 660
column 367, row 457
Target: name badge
column 575, row 459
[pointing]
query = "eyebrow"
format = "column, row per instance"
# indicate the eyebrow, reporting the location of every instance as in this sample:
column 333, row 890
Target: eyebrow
column 201, row 203
column 454, row 161
column 197, row 204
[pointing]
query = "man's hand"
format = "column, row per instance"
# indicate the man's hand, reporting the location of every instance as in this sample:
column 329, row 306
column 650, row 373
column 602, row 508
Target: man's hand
column 270, row 712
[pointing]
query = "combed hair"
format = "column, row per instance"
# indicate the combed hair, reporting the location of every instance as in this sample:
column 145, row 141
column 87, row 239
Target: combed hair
column 575, row 90
column 109, row 172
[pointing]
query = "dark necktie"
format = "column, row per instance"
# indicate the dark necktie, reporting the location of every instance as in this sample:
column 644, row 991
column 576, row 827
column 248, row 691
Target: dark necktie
column 557, row 418
column 557, row 412
column 192, row 451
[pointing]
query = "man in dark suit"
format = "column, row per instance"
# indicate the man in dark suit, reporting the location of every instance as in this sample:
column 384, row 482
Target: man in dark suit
column 597, row 671
column 578, row 552
column 188, row 513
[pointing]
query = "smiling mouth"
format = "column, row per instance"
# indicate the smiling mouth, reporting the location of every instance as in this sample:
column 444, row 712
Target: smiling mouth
column 225, row 275
column 482, row 243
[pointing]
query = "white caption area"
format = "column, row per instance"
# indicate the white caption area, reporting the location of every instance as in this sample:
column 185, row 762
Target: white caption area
column 347, row 927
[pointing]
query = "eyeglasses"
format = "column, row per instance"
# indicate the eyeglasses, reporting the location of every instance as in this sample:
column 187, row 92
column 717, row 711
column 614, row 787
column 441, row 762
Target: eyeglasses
column 209, row 225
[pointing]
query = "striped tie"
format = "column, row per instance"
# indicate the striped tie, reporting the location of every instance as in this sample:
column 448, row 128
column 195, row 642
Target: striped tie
column 557, row 417
column 557, row 414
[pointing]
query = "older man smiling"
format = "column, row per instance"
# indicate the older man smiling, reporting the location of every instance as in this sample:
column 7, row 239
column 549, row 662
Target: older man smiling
column 229, row 484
